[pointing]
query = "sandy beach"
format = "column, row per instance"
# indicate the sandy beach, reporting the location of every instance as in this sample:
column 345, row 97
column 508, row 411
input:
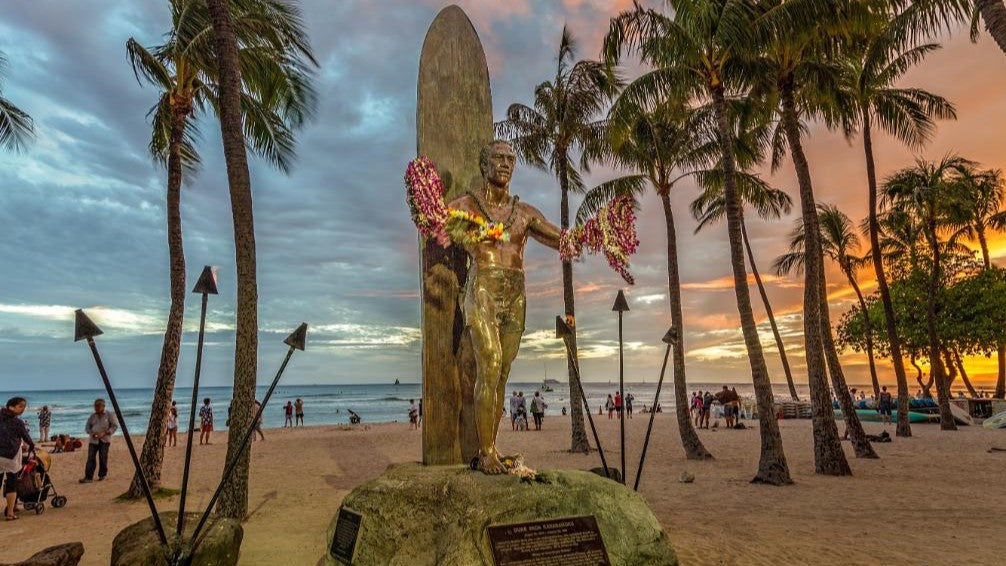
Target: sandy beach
column 935, row 498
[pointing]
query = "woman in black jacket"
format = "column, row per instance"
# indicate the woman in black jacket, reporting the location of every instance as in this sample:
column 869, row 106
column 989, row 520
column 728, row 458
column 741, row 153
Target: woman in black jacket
column 13, row 431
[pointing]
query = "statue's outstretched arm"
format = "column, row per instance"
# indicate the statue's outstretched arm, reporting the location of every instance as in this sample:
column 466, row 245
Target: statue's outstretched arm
column 543, row 230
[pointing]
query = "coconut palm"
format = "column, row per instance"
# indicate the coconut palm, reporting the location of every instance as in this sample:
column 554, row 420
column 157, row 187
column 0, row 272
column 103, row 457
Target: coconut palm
column 838, row 241
column 699, row 53
column 872, row 69
column 930, row 192
column 661, row 145
column 230, row 45
column 768, row 202
column 16, row 126
column 792, row 78
column 983, row 203
column 276, row 97
column 562, row 126
column 928, row 17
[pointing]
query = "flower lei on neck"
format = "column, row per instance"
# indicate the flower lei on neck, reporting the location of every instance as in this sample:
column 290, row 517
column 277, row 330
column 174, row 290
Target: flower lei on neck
column 612, row 231
column 434, row 219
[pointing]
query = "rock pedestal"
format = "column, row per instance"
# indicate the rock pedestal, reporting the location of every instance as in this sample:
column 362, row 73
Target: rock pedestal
column 415, row 515
column 138, row 545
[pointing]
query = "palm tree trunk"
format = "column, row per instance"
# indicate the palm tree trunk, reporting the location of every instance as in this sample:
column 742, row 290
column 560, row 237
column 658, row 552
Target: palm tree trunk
column 772, row 466
column 578, row 432
column 853, row 428
column 1000, row 391
column 994, row 14
column 829, row 458
column 768, row 312
column 234, row 498
column 925, row 386
column 935, row 360
column 869, row 333
column 152, row 454
column 964, row 374
column 694, row 449
column 904, row 429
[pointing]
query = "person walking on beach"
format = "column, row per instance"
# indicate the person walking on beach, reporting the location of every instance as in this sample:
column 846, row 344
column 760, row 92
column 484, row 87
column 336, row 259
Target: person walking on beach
column 697, row 409
column 100, row 427
column 609, row 406
column 258, row 421
column 629, row 398
column 513, row 410
column 538, row 407
column 13, row 433
column 884, row 405
column 288, row 415
column 205, row 422
column 618, row 404
column 299, row 409
column 172, row 427
column 707, row 408
column 413, row 415
column 44, row 420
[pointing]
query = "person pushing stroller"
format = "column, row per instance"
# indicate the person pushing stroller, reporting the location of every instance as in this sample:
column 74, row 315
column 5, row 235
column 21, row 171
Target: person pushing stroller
column 13, row 433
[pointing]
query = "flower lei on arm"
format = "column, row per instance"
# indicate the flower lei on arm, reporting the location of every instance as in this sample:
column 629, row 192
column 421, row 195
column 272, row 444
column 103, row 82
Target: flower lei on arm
column 612, row 231
column 432, row 216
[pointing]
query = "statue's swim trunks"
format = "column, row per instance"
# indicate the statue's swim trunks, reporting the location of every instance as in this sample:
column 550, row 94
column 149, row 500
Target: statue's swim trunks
column 495, row 295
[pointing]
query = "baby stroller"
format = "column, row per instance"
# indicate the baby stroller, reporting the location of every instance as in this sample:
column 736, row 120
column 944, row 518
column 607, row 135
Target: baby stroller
column 34, row 486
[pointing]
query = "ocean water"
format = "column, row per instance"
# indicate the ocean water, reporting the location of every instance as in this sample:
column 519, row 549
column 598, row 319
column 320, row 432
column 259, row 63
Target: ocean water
column 323, row 404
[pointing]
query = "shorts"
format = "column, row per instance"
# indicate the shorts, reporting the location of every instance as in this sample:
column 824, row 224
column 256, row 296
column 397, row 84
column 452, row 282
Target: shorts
column 207, row 428
column 885, row 409
column 495, row 294
column 10, row 485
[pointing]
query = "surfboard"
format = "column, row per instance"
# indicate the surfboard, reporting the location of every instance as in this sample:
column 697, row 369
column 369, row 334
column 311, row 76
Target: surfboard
column 453, row 122
column 961, row 416
column 995, row 421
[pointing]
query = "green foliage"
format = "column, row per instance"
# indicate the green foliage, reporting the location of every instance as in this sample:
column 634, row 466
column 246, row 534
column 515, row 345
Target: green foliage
column 16, row 126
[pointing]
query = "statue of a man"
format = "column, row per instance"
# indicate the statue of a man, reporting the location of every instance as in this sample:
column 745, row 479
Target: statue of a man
column 494, row 300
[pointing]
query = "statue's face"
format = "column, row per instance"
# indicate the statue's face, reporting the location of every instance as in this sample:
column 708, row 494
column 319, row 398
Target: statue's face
column 501, row 164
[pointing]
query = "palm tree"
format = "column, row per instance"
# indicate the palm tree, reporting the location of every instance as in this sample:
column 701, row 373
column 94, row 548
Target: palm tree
column 871, row 70
column 927, row 191
column 699, row 53
column 660, row 145
column 229, row 44
column 276, row 99
column 838, row 242
column 984, row 201
column 549, row 136
column 791, row 75
column 768, row 202
column 928, row 16
column 16, row 126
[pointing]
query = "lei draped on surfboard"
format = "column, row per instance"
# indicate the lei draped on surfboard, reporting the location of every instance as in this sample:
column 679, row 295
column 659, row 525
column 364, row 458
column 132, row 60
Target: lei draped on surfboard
column 612, row 231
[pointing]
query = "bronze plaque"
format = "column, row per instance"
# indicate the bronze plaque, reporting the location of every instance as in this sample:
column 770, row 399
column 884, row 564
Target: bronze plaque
column 347, row 530
column 575, row 541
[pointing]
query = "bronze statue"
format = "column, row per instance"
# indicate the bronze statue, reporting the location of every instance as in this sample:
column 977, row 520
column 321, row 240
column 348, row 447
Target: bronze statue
column 493, row 301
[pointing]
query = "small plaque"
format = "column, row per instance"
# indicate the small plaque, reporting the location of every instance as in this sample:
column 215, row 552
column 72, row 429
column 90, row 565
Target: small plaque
column 347, row 530
column 575, row 541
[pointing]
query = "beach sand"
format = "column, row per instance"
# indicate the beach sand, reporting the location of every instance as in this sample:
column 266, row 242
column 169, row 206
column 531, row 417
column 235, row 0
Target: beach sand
column 936, row 498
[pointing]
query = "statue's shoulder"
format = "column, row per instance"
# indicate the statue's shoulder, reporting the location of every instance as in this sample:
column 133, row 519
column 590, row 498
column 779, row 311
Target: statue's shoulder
column 528, row 209
column 466, row 201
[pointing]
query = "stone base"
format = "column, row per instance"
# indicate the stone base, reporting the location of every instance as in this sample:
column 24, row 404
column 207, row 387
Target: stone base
column 415, row 515
column 138, row 544
column 61, row 555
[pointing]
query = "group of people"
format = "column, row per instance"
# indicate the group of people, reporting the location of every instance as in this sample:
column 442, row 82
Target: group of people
column 519, row 410
column 290, row 410
column 702, row 403
column 615, row 404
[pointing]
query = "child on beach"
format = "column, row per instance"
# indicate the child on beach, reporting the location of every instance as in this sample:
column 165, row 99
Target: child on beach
column 610, row 407
column 172, row 427
column 205, row 422
column 288, row 415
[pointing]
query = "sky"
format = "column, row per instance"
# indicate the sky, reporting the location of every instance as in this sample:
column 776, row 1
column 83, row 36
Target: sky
column 82, row 219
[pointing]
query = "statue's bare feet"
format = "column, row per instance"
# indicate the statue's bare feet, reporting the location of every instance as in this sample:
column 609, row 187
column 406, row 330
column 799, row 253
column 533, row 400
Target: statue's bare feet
column 490, row 464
